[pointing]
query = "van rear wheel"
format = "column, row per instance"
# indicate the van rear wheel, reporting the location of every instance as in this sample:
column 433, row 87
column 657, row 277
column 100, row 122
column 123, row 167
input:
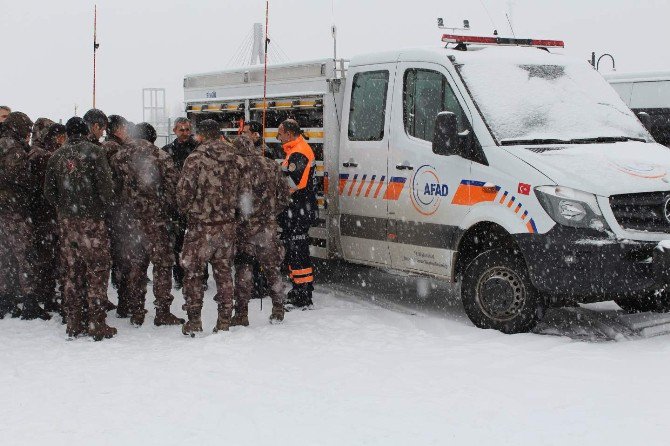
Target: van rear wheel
column 497, row 293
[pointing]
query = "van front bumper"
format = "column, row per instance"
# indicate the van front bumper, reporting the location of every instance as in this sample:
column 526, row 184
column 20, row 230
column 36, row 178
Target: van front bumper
column 587, row 266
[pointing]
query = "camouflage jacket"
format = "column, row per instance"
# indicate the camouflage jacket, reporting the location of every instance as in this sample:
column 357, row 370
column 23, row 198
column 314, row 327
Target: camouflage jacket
column 112, row 145
column 40, row 209
column 211, row 183
column 268, row 193
column 78, row 181
column 144, row 181
column 17, row 185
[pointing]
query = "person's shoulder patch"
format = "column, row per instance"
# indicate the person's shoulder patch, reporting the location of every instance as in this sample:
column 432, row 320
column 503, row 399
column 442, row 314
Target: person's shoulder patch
column 291, row 167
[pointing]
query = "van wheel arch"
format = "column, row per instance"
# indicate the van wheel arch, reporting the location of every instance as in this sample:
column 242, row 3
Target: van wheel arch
column 482, row 237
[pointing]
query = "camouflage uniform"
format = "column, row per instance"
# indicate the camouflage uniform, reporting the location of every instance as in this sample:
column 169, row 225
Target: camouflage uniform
column 117, row 223
column 208, row 193
column 78, row 184
column 257, row 237
column 179, row 151
column 44, row 255
column 145, row 179
column 17, row 187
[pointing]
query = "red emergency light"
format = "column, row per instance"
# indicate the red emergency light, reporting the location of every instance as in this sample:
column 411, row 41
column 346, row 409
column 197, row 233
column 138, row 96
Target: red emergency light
column 451, row 38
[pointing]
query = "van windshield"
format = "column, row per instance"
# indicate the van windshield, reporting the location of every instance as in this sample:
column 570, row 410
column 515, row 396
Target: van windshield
column 548, row 100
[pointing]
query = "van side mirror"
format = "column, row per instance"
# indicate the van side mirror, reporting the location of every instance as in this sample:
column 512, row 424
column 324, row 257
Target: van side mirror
column 445, row 136
column 645, row 119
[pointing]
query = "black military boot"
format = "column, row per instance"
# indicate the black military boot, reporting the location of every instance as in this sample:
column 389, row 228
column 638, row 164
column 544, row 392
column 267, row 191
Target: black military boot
column 5, row 305
column 122, row 311
column 32, row 310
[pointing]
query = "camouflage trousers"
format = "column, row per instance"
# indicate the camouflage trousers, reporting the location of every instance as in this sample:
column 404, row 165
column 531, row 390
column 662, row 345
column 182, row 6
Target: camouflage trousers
column 84, row 254
column 16, row 242
column 118, row 231
column 214, row 244
column 148, row 242
column 265, row 248
column 45, row 261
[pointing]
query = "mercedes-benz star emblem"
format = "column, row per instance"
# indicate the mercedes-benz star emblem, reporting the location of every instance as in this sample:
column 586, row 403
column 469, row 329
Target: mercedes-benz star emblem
column 666, row 210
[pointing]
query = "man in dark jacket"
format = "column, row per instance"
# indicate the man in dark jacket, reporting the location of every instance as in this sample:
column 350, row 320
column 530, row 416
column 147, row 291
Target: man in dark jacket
column 17, row 187
column 295, row 221
column 179, row 150
column 79, row 185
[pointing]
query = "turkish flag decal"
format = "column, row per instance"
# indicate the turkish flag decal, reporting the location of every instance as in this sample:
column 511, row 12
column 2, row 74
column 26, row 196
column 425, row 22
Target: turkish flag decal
column 524, row 189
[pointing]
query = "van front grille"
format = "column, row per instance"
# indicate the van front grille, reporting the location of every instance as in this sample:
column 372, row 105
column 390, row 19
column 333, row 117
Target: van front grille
column 648, row 211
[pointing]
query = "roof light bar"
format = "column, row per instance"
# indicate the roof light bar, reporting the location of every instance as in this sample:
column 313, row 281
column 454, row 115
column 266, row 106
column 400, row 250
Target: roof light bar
column 451, row 38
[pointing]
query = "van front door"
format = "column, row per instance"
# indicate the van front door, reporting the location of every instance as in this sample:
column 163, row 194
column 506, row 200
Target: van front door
column 422, row 220
column 363, row 176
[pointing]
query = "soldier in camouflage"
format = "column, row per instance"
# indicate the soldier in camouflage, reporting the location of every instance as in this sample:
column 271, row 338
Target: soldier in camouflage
column 78, row 184
column 117, row 139
column 146, row 179
column 257, row 238
column 44, row 255
column 209, row 193
column 17, row 187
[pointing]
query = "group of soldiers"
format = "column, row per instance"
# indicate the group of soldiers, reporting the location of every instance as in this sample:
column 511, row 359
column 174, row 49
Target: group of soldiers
column 74, row 209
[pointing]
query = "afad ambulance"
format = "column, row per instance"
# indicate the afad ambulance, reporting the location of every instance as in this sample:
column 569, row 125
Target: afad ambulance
column 499, row 163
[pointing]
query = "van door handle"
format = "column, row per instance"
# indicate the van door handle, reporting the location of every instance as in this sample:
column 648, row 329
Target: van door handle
column 350, row 164
column 404, row 167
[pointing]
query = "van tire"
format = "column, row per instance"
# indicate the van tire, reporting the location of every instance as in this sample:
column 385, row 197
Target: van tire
column 497, row 293
column 643, row 303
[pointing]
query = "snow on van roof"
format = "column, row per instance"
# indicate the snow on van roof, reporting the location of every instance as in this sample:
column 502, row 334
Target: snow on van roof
column 525, row 96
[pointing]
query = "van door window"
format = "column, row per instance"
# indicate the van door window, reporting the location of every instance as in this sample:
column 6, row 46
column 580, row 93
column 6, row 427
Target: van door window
column 427, row 93
column 368, row 106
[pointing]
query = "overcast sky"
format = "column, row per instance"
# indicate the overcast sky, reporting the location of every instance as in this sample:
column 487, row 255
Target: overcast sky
column 46, row 56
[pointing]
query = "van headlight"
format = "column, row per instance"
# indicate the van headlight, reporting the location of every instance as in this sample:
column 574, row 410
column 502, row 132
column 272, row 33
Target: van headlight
column 571, row 207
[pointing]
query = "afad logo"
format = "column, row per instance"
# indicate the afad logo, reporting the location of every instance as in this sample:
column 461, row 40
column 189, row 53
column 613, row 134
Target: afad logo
column 427, row 190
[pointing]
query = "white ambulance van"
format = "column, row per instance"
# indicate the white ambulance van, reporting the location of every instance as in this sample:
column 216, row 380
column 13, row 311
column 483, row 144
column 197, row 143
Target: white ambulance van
column 499, row 163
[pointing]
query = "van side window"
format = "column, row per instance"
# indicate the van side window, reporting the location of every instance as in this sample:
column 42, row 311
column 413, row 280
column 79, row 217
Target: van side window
column 368, row 106
column 427, row 93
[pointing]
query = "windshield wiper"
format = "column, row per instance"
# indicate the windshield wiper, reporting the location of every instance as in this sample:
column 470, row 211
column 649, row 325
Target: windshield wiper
column 599, row 139
column 605, row 139
column 514, row 142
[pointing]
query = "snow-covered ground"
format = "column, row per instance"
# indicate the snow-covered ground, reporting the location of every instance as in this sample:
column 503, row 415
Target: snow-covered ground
column 403, row 370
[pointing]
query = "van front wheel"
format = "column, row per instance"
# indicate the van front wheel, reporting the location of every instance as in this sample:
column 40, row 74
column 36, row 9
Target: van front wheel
column 497, row 293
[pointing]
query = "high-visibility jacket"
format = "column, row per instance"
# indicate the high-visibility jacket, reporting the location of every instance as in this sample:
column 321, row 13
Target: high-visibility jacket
column 299, row 168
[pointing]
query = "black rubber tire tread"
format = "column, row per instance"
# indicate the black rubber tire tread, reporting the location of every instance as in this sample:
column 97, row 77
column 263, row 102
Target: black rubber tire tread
column 533, row 308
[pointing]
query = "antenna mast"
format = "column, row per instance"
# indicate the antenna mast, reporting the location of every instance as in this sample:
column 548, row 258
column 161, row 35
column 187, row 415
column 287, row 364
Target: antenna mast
column 96, row 45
